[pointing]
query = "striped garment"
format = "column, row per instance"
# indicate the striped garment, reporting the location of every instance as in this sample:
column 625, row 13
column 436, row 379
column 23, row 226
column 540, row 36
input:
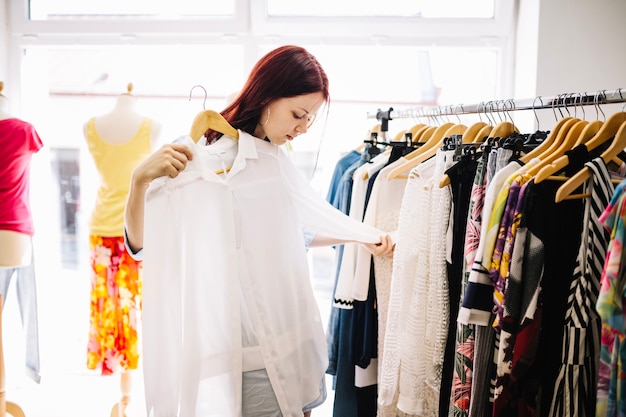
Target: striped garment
column 574, row 394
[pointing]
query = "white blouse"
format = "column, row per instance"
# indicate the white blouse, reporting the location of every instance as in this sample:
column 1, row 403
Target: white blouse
column 215, row 244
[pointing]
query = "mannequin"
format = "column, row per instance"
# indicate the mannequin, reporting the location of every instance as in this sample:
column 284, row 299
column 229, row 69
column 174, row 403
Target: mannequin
column 19, row 141
column 118, row 141
column 16, row 247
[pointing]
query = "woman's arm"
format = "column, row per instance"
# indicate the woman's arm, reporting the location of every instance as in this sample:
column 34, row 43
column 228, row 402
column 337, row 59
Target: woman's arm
column 383, row 248
column 169, row 160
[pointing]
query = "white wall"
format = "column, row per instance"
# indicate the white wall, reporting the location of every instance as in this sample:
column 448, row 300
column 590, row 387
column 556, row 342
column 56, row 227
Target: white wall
column 569, row 46
column 581, row 46
column 4, row 40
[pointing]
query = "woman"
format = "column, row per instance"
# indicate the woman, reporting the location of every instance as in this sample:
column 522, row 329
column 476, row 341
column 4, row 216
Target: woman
column 245, row 221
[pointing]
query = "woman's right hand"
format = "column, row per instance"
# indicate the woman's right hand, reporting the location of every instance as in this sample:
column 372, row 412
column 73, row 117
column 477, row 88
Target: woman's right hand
column 169, row 160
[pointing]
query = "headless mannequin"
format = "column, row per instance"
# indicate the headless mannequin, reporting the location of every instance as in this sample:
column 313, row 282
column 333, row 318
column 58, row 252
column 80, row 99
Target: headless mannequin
column 119, row 126
column 16, row 247
column 16, row 251
column 121, row 123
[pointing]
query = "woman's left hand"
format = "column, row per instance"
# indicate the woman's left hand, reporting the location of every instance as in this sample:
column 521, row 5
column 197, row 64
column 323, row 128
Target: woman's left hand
column 384, row 248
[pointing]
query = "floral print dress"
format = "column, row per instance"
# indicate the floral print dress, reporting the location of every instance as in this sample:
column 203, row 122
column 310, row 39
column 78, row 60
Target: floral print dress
column 115, row 306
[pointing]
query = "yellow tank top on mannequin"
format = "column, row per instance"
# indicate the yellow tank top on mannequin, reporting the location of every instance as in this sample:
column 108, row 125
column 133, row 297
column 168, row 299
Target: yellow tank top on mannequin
column 115, row 164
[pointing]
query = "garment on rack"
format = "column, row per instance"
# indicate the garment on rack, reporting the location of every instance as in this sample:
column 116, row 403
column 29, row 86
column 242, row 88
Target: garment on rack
column 575, row 393
column 528, row 329
column 477, row 300
column 411, row 372
column 461, row 183
column 465, row 334
column 193, row 367
column 341, row 201
column 382, row 211
column 348, row 399
column 343, row 164
column 346, row 291
column 611, row 376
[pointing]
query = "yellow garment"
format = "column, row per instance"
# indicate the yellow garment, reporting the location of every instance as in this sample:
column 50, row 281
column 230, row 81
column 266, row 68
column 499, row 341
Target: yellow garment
column 115, row 164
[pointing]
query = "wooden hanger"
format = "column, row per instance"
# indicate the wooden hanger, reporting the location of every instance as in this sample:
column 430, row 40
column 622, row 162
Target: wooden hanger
column 423, row 134
column 549, row 171
column 427, row 150
column 399, row 136
column 588, row 132
column 210, row 119
column 483, row 133
column 431, row 137
column 547, row 142
column 563, row 141
column 607, row 131
column 618, row 144
column 503, row 130
column 472, row 131
column 413, row 130
column 478, row 137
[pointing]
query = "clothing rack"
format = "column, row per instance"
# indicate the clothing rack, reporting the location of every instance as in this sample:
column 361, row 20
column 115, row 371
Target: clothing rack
column 556, row 102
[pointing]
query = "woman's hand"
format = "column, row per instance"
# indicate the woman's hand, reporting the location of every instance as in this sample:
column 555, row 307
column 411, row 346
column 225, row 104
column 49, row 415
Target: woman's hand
column 168, row 160
column 384, row 248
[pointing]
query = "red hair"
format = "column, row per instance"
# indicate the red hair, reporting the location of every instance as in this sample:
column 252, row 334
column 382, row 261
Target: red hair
column 287, row 71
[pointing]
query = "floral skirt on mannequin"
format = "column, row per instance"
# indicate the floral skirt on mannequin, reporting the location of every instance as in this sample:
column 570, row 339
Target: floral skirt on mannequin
column 115, row 306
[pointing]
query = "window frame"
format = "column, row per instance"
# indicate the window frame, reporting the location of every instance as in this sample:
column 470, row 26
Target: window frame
column 251, row 27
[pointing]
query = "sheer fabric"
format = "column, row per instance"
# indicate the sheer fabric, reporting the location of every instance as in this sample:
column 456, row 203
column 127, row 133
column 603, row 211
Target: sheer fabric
column 210, row 238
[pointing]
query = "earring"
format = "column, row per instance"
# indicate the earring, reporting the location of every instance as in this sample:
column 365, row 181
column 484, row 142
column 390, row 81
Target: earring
column 268, row 118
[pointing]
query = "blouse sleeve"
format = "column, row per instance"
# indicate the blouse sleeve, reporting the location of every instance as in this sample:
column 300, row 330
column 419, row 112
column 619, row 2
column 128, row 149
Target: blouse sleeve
column 318, row 216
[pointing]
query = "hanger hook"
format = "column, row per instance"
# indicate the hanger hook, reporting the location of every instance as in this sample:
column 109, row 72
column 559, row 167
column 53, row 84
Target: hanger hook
column 557, row 104
column 582, row 105
column 596, row 104
column 565, row 100
column 205, row 95
column 535, row 110
column 562, row 104
column 485, row 113
column 462, row 112
column 619, row 90
column 601, row 96
column 495, row 111
column 490, row 113
column 566, row 104
column 512, row 108
column 502, row 110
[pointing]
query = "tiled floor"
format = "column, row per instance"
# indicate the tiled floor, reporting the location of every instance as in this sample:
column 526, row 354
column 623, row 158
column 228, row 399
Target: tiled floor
column 67, row 388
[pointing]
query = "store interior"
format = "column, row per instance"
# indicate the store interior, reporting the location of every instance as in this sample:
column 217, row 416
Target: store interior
column 399, row 63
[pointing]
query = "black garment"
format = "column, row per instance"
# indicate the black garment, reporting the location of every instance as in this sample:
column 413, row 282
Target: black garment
column 461, row 182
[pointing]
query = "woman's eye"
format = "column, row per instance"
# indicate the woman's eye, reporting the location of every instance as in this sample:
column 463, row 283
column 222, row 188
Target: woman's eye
column 298, row 117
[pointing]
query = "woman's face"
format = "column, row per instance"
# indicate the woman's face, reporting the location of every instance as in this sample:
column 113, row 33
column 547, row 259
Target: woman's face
column 286, row 118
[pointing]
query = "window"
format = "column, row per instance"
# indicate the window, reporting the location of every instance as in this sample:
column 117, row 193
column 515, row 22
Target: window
column 116, row 9
column 390, row 8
